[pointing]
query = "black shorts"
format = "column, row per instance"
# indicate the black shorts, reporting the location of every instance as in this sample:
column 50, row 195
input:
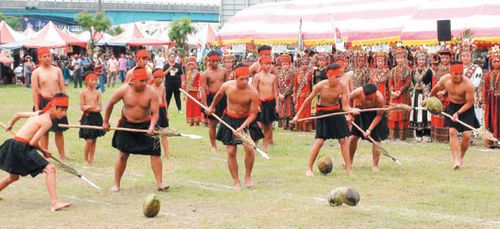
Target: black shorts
column 333, row 127
column 225, row 135
column 42, row 102
column 268, row 112
column 92, row 119
column 468, row 117
column 162, row 117
column 21, row 158
column 364, row 120
column 219, row 109
column 135, row 143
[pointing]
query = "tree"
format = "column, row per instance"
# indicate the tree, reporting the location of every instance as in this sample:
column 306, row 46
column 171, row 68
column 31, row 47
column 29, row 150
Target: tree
column 14, row 22
column 97, row 23
column 179, row 29
column 115, row 31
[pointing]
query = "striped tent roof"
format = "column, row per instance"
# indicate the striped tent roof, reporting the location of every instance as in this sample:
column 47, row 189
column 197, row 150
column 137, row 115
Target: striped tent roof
column 362, row 22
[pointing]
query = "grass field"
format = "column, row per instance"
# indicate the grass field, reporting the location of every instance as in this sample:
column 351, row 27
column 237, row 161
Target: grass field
column 424, row 192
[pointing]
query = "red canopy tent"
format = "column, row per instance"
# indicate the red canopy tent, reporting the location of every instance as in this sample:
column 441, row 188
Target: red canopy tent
column 50, row 36
column 7, row 34
column 134, row 37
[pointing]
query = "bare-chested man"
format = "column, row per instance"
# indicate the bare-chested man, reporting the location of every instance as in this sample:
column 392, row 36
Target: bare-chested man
column 140, row 111
column 242, row 108
column 158, row 87
column 333, row 98
column 267, row 86
column 461, row 95
column 142, row 60
column 374, row 123
column 211, row 81
column 91, row 105
column 264, row 51
column 19, row 156
column 47, row 81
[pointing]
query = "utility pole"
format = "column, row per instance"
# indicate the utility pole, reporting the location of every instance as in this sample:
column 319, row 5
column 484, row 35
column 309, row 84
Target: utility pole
column 99, row 5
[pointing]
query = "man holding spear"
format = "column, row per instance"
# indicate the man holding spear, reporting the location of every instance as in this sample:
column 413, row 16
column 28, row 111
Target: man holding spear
column 242, row 108
column 373, row 123
column 18, row 155
column 461, row 95
column 333, row 98
column 140, row 111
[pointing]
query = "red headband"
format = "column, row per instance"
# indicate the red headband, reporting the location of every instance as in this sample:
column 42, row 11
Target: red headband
column 265, row 52
column 90, row 76
column 333, row 72
column 214, row 57
column 142, row 53
column 43, row 51
column 457, row 68
column 266, row 60
column 242, row 71
column 158, row 73
column 60, row 101
column 140, row 74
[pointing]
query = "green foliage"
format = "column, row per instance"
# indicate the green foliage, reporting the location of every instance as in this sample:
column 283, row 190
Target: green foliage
column 14, row 22
column 98, row 22
column 179, row 29
column 117, row 30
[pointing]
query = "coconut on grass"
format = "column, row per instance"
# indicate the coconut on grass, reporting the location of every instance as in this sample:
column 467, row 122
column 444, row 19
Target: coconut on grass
column 325, row 164
column 334, row 197
column 343, row 195
column 151, row 206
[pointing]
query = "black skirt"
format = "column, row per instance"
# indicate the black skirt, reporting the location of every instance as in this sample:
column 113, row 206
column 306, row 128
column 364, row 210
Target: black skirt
column 468, row 117
column 219, row 109
column 42, row 102
column 21, row 159
column 268, row 113
column 92, row 119
column 333, row 127
column 135, row 143
column 364, row 120
column 162, row 117
column 225, row 135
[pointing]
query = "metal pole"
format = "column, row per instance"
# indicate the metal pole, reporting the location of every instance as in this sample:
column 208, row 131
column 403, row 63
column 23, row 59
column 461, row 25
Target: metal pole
column 99, row 5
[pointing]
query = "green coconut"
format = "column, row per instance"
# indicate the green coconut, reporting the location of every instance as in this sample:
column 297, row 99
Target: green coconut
column 349, row 196
column 325, row 164
column 151, row 206
column 334, row 197
column 434, row 105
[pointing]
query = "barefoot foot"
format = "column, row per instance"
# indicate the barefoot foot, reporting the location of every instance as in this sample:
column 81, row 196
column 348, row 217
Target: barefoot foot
column 213, row 149
column 309, row 173
column 115, row 188
column 163, row 188
column 58, row 206
column 249, row 182
column 237, row 186
column 375, row 169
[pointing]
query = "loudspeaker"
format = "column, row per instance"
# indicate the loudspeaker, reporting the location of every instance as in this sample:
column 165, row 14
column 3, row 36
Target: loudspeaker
column 444, row 30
